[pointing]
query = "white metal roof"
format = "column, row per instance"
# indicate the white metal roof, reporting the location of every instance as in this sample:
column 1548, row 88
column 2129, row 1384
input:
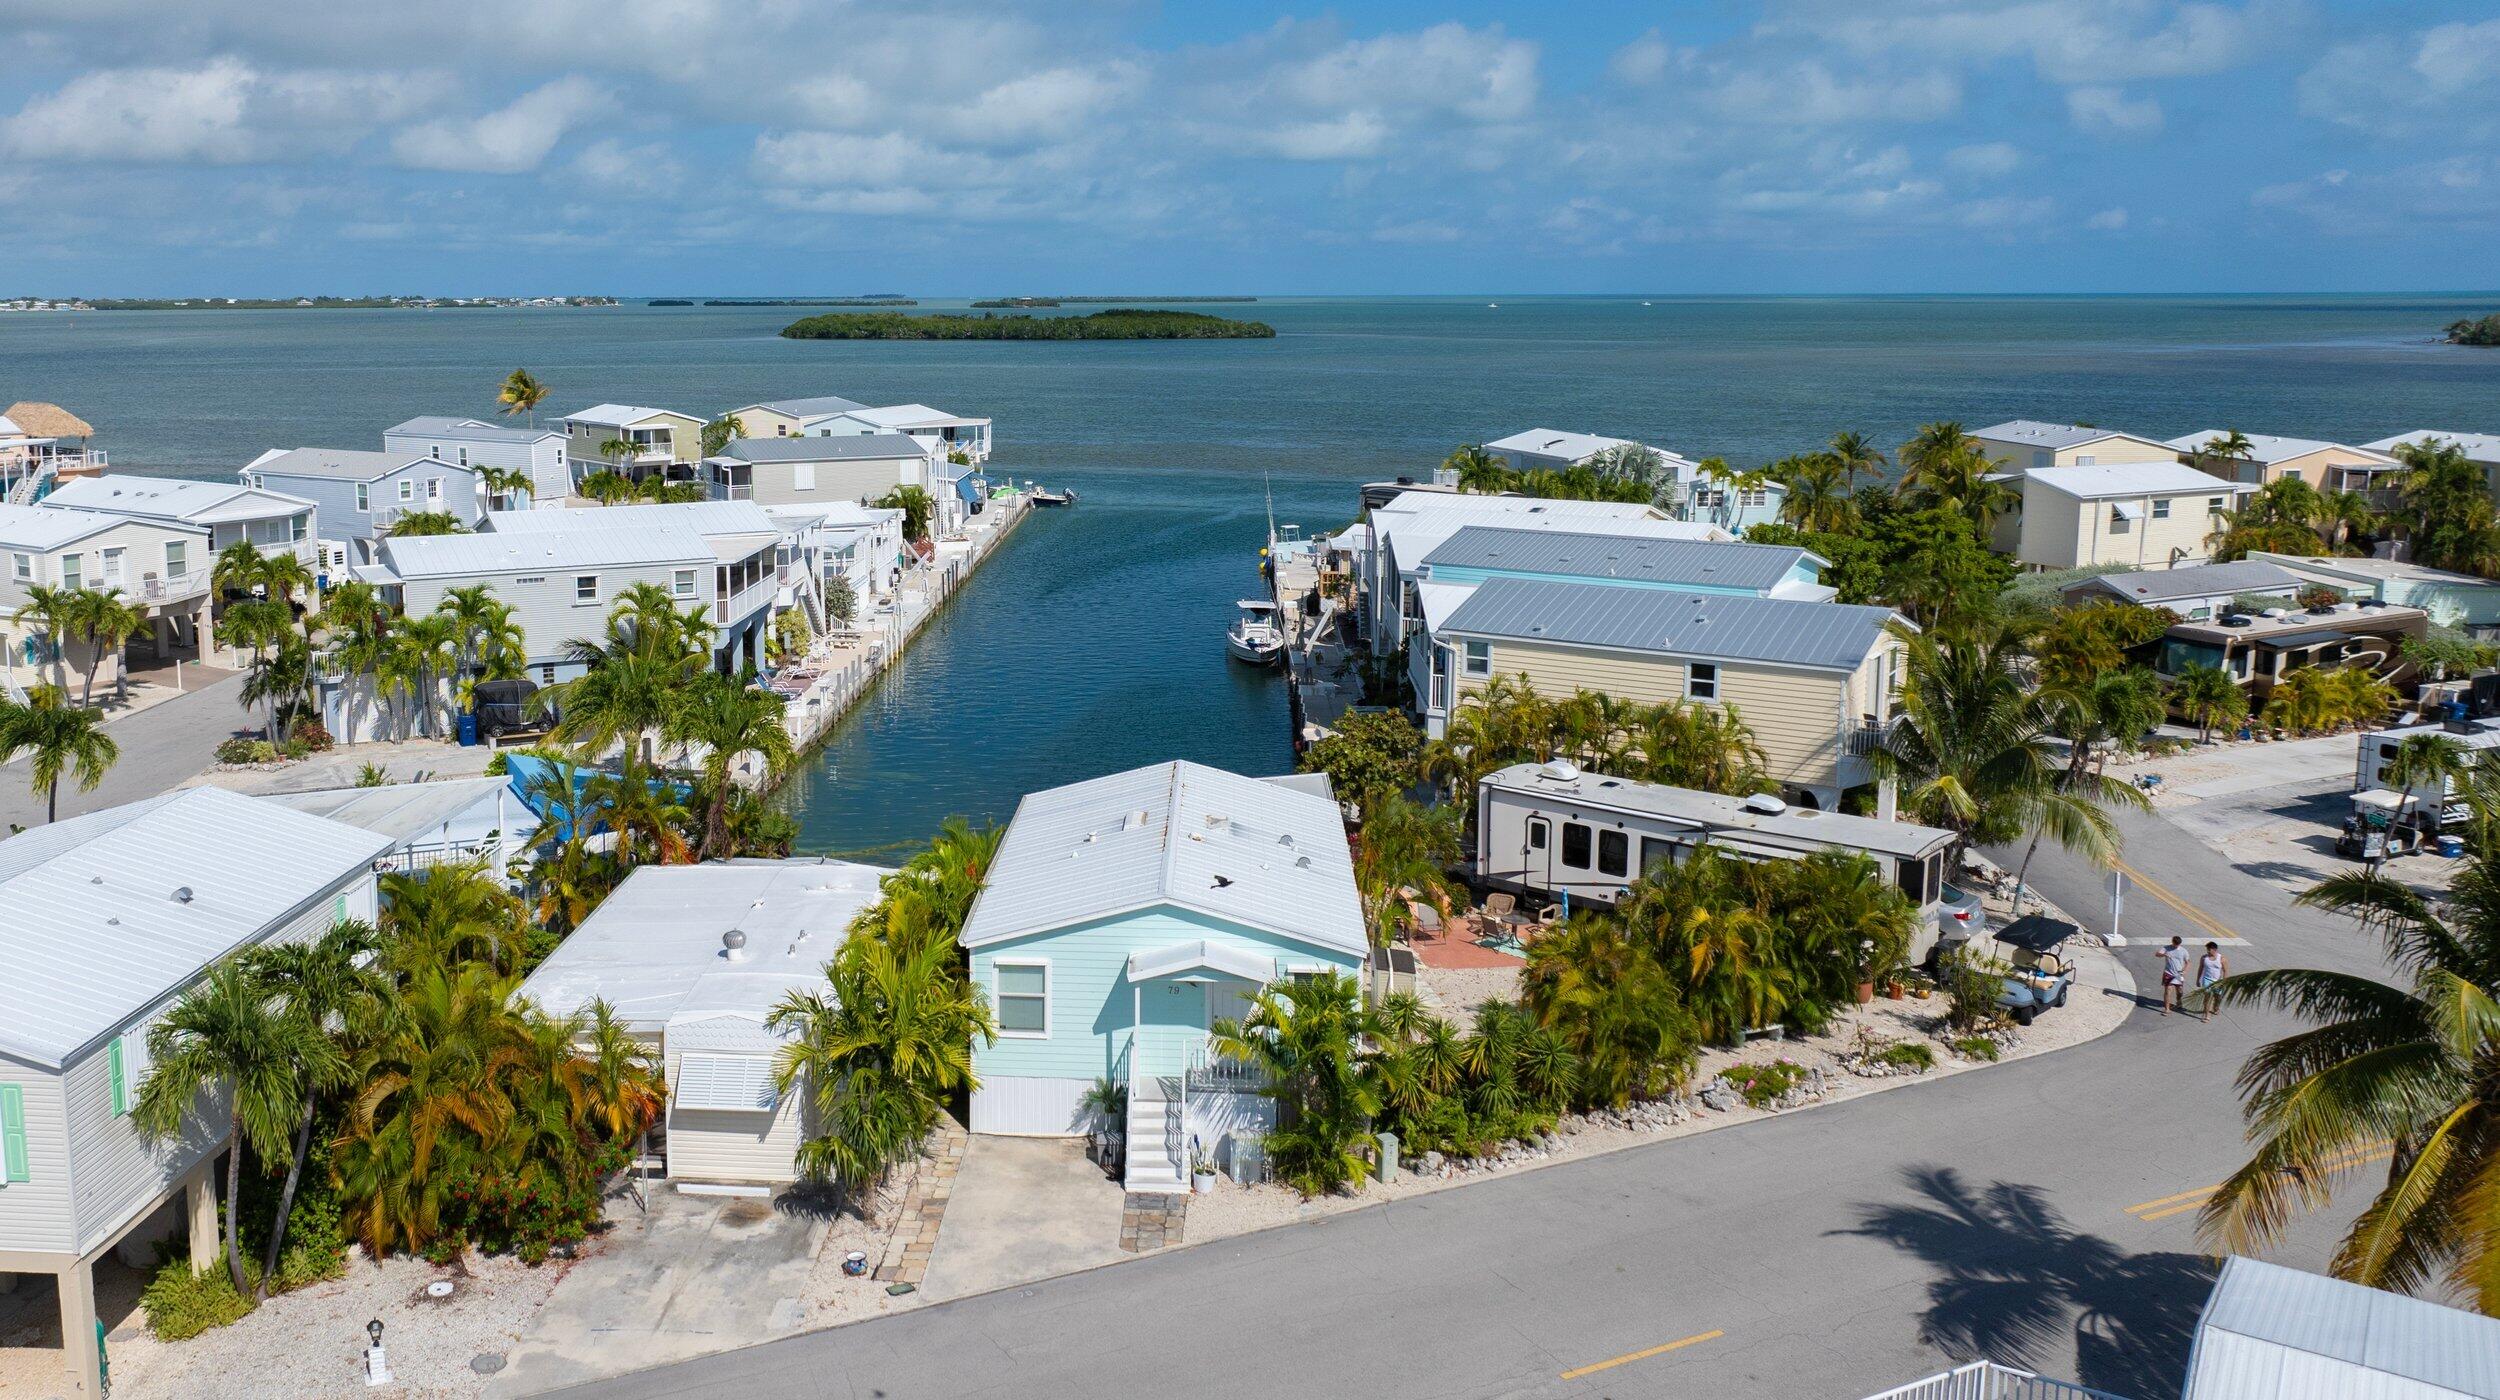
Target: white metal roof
column 1716, row 814
column 2272, row 1333
column 854, row 447
column 905, row 416
column 623, row 415
column 50, row 527
column 339, row 463
column 1180, row 834
column 2366, row 568
column 2133, row 479
column 173, row 499
column 2268, row 449
column 707, row 518
column 521, row 552
column 467, row 430
column 2031, row 432
column 1555, row 442
column 820, row 406
column 653, row 948
column 452, row 810
column 2479, row 447
column 102, row 916
column 1439, row 600
column 1415, row 523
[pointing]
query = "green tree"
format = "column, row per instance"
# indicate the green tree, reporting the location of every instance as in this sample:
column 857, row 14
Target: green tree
column 2447, row 508
column 618, row 451
column 52, row 613
column 1818, row 498
column 1967, row 744
column 505, row 486
column 426, row 522
column 1404, row 847
column 327, row 989
column 2208, row 696
column 729, row 721
column 1306, row 1040
column 1937, row 569
column 426, row 650
column 228, row 1040
column 607, row 487
column 1478, row 470
column 916, row 504
column 2432, row 761
column 1614, row 1006
column 718, row 432
column 1371, row 754
column 282, row 679
column 103, row 622
column 1856, row 454
column 521, row 393
column 64, row 739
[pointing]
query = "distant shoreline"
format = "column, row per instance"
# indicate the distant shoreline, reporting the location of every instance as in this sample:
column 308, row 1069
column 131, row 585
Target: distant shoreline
column 1116, row 324
column 1025, row 302
column 330, row 303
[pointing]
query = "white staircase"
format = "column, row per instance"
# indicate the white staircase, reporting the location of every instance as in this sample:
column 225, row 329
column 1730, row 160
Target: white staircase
column 1158, row 1139
column 22, row 491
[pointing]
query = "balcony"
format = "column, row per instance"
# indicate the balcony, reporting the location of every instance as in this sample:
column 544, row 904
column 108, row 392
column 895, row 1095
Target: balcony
column 171, row 588
column 1866, row 736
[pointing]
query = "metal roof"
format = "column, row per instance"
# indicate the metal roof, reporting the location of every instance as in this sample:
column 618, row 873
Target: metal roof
column 1240, row 849
column 467, row 430
column 707, row 518
column 339, row 463
column 911, row 415
column 2272, row 1333
column 174, row 499
column 820, row 406
column 2194, row 581
column 1554, row 442
column 1715, row 812
column 1755, row 567
column 455, row 809
column 623, row 415
column 2373, row 568
column 853, row 448
column 1717, row 627
column 50, row 527
column 652, row 950
column 2267, row 449
column 2031, row 432
column 521, row 552
column 2134, row 479
column 1415, row 523
column 2479, row 447
column 104, row 915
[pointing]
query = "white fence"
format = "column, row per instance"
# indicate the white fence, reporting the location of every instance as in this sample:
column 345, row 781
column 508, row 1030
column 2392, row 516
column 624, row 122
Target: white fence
column 1986, row 1380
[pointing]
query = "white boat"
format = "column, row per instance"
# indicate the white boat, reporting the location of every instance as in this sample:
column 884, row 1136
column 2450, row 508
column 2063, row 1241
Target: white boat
column 1255, row 637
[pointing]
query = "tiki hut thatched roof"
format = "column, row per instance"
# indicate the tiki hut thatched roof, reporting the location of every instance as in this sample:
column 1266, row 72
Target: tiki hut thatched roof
column 48, row 420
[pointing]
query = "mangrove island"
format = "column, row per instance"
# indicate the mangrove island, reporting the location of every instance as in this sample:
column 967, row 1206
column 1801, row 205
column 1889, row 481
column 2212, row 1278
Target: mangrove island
column 1119, row 323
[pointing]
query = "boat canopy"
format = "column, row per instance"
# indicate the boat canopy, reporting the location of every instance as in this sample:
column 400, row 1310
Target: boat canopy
column 1256, row 605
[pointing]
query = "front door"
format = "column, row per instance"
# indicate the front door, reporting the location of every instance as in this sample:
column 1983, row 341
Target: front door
column 1168, row 1011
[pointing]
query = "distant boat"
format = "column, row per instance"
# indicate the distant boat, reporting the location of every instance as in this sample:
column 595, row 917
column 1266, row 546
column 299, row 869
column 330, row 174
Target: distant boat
column 1053, row 498
column 1649, row 303
column 1255, row 637
column 1492, row 306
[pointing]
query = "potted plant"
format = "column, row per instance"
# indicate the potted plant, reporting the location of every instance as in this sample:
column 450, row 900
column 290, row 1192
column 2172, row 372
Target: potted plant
column 1107, row 1101
column 1201, row 1168
column 2319, row 597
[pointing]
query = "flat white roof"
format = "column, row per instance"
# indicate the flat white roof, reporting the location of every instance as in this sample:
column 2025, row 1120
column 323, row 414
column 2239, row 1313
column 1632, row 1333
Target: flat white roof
column 706, row 518
column 1712, row 813
column 2272, row 1333
column 2479, row 447
column 523, row 552
column 1415, row 523
column 653, row 951
column 452, row 810
column 170, row 498
column 2370, row 568
column 1558, row 443
column 623, row 415
column 2133, row 479
column 2267, row 449
column 50, row 527
column 2031, row 432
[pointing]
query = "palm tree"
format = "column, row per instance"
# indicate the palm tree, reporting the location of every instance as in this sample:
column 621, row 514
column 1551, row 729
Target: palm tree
column 64, row 739
column 327, row 986
column 2344, row 514
column 239, row 570
column 1933, row 446
column 2208, row 696
column 2092, row 715
column 1307, row 1039
column 282, row 679
column 2231, row 446
column 447, row 916
column 504, row 485
column 879, row 1052
column 52, row 613
column 1477, row 469
column 427, row 522
column 645, row 814
column 230, row 1041
column 2411, row 1070
column 103, row 622
column 1614, row 1006
column 255, row 622
column 918, row 508
column 1966, row 742
column 624, row 695
column 1818, row 500
column 730, row 721
column 1403, row 847
column 570, row 876
column 1855, row 454
column 521, row 393
column 436, row 1081
column 718, row 432
column 952, row 871
column 618, row 451
column 427, row 650
column 2432, row 761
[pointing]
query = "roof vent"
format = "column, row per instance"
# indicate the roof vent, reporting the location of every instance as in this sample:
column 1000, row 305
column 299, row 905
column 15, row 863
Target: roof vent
column 1285, row 840
column 1136, row 819
column 95, row 879
column 182, row 895
column 733, row 945
column 1765, row 804
column 1561, row 770
column 1301, row 862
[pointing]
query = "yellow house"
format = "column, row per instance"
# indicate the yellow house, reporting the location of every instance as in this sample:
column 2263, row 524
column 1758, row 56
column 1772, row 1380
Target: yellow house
column 789, row 417
column 2328, row 466
column 2153, row 515
column 1813, row 681
column 2027, row 445
column 663, row 440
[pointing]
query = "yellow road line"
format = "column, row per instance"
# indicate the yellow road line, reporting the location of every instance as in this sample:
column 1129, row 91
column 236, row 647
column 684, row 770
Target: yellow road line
column 2152, row 1215
column 2190, row 912
column 2185, row 1201
column 2166, row 1200
column 1631, row 1356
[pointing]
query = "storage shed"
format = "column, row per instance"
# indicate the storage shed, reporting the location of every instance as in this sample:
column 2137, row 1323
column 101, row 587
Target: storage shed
column 2271, row 1333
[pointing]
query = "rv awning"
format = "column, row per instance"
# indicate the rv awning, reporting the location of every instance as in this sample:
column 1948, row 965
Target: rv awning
column 2126, row 510
column 727, row 1083
column 2296, row 641
column 1201, row 955
column 2381, row 800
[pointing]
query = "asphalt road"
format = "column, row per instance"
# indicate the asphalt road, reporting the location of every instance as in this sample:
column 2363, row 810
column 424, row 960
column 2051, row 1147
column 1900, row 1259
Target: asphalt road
column 160, row 747
column 2040, row 1214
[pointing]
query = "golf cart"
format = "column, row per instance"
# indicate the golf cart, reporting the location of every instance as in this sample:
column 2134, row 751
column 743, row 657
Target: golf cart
column 2381, row 825
column 2038, row 976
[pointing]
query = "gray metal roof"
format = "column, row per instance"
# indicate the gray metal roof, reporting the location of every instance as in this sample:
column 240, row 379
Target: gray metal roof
column 705, row 518
column 522, row 552
column 1798, row 827
column 2272, row 1333
column 857, row 447
column 173, row 499
column 1626, row 557
column 816, row 407
column 467, row 430
column 1715, row 627
column 93, row 925
column 462, row 809
column 340, row 463
column 652, row 950
column 2156, row 586
column 1216, row 843
column 2034, row 433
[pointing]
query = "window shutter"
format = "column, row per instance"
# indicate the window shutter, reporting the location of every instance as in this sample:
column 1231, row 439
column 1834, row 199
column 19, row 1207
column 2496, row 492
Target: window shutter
column 338, row 908
column 121, row 1078
column 12, row 1133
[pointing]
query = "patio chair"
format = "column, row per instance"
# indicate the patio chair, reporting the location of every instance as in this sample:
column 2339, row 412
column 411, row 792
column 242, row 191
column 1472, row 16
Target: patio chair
column 1500, row 908
column 1427, row 919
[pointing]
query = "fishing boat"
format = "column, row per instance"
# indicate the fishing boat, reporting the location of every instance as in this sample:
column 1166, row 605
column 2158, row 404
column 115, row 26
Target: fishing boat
column 1255, row 637
column 1053, row 498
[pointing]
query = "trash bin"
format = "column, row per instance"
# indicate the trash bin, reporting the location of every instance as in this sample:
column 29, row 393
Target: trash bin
column 468, row 730
column 2452, row 847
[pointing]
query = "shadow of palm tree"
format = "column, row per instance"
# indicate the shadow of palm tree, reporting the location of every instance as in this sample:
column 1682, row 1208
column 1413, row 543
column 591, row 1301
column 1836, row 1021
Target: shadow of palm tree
column 2015, row 1281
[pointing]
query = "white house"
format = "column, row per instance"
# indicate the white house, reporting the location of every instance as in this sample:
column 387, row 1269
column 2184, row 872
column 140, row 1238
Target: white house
column 359, row 496
column 692, row 958
column 750, row 554
column 105, row 920
column 428, row 823
column 2482, row 449
column 2026, row 444
column 944, row 434
column 862, row 545
column 799, row 470
column 2196, row 592
column 272, row 522
column 1122, row 918
column 538, row 453
column 2153, row 515
column 664, row 441
column 160, row 567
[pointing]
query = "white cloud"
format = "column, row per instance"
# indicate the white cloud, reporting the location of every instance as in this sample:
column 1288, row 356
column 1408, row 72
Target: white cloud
column 1986, row 159
column 1643, row 61
column 2443, row 80
column 2106, row 111
column 1300, row 92
column 2066, row 41
column 650, row 169
column 1809, row 93
column 224, row 112
column 507, row 141
column 2107, row 221
column 1418, row 231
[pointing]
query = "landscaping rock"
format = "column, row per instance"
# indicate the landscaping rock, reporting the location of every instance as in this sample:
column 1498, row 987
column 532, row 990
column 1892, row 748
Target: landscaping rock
column 1717, row 1095
column 487, row 1363
column 1431, row 1164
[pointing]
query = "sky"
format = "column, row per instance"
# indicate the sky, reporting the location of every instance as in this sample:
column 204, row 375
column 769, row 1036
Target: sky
column 649, row 147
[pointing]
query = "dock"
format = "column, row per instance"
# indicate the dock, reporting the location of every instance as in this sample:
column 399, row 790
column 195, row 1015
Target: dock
column 1323, row 672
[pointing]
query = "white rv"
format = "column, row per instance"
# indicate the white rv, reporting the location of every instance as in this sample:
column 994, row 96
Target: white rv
column 1549, row 830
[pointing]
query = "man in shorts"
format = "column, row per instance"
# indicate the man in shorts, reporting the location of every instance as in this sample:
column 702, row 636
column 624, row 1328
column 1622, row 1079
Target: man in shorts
column 2174, row 961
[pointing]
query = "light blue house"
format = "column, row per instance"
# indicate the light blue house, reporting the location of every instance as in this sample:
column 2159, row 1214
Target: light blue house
column 1126, row 914
column 2452, row 599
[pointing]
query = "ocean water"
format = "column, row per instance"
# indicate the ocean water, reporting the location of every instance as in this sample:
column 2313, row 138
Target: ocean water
column 1093, row 640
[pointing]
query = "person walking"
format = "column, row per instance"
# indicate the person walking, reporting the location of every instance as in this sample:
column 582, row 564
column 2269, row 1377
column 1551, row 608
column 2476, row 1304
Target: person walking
column 2211, row 968
column 2174, row 975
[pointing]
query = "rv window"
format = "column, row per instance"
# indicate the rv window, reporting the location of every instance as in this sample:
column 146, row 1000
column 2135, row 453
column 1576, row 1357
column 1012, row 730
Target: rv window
column 1575, row 846
column 1614, row 853
column 1656, row 853
column 1537, row 830
column 2387, row 753
column 1913, row 879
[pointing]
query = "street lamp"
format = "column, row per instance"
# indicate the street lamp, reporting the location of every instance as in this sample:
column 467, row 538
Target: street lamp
column 377, row 1364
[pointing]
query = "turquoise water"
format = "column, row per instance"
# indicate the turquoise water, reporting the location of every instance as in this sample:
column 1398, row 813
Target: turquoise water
column 1092, row 641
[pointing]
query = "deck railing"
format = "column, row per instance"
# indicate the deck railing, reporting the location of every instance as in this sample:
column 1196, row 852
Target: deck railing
column 1986, row 1380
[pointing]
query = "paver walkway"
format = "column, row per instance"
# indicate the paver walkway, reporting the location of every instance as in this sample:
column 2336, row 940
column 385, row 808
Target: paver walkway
column 924, row 1210
column 1151, row 1220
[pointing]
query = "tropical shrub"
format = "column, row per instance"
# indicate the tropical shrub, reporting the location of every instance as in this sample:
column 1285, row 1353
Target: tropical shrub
column 1614, row 1007
column 1372, row 754
column 1762, row 1085
column 1707, row 747
column 1971, row 982
column 1307, row 1038
column 312, row 734
column 1465, row 1093
column 1909, row 1054
column 181, row 1302
column 241, row 752
column 1976, row 1047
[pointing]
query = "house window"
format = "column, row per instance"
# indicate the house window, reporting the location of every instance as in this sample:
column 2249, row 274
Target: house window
column 73, row 571
column 24, row 566
column 297, row 527
column 1614, row 853
column 464, row 456
column 1022, row 993
column 2214, row 506
column 2119, row 524
column 434, row 489
column 1479, row 659
column 364, row 498
column 781, row 430
column 177, row 558
column 118, row 1075
column 585, row 588
column 1702, row 681
column 435, row 451
column 681, row 583
column 1575, row 851
column 803, row 476
column 407, row 490
column 547, row 674
column 2086, row 460
column 2161, row 508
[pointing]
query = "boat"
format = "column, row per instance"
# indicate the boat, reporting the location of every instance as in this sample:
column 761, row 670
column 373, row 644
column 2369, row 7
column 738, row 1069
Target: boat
column 1053, row 498
column 1255, row 637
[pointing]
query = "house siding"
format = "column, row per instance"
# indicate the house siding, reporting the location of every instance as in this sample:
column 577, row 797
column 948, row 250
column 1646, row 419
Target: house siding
column 334, row 499
column 2058, row 531
column 545, row 459
column 546, row 609
column 685, row 439
column 774, row 483
column 35, row 1213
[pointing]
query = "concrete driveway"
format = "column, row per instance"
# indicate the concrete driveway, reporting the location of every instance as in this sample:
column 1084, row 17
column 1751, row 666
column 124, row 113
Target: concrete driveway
column 1023, row 1209
column 694, row 1274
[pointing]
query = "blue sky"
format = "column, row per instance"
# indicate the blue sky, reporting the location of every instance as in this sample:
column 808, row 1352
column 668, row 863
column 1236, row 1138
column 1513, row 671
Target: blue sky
column 784, row 146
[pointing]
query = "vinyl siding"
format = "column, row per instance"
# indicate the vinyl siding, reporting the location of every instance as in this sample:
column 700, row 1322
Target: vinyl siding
column 35, row 1213
column 835, row 481
column 544, row 460
column 546, row 610
column 1798, row 717
column 2060, row 532
column 335, row 516
column 1090, row 997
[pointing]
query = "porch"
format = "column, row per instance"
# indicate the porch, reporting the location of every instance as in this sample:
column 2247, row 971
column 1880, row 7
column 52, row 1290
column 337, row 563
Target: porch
column 1181, row 1088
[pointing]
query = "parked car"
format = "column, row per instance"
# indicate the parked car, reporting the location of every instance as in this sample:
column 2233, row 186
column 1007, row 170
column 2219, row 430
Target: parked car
column 2038, row 976
column 504, row 707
